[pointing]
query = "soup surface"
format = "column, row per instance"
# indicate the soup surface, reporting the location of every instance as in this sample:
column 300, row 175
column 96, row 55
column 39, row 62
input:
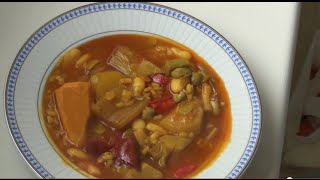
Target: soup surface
column 136, row 106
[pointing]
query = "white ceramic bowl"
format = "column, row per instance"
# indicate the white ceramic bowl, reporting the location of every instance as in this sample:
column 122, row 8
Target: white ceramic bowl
column 36, row 58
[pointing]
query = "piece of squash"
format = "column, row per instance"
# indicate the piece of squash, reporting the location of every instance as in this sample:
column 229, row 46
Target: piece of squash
column 73, row 103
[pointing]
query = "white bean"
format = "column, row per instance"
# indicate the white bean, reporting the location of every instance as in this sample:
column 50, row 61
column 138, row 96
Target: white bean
column 177, row 85
column 156, row 128
column 93, row 170
column 84, row 58
column 73, row 152
column 138, row 86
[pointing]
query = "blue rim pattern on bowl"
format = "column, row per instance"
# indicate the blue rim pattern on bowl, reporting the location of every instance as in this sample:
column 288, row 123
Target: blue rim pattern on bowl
column 92, row 8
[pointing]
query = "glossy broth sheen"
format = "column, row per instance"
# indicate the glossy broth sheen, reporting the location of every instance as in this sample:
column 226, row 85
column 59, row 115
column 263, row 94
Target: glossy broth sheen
column 100, row 49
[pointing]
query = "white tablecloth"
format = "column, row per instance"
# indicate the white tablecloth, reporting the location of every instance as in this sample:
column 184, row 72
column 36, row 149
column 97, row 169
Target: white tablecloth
column 263, row 33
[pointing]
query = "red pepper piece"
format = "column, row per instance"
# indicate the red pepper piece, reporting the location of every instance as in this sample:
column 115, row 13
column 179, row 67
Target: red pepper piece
column 163, row 104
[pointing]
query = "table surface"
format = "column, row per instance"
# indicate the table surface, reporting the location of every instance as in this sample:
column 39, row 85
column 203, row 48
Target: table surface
column 263, row 33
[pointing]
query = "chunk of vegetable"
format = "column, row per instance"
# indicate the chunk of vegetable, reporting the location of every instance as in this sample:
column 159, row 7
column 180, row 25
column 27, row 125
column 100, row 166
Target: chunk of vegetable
column 147, row 113
column 122, row 117
column 215, row 106
column 177, row 85
column 138, row 131
column 105, row 81
column 73, row 102
column 186, row 117
column 196, row 78
column 103, row 108
column 169, row 66
column 163, row 105
column 93, row 66
column 206, row 96
column 180, row 72
column 185, row 170
column 164, row 158
column 83, row 59
column 175, row 143
column 160, row 152
column 147, row 68
column 121, row 58
column 180, row 97
column 161, row 79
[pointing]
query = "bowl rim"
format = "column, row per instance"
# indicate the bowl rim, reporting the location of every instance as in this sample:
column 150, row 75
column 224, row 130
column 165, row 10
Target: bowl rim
column 102, row 6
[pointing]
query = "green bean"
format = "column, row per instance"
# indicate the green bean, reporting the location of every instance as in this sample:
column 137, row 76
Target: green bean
column 179, row 97
column 176, row 63
column 180, row 72
column 196, row 78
